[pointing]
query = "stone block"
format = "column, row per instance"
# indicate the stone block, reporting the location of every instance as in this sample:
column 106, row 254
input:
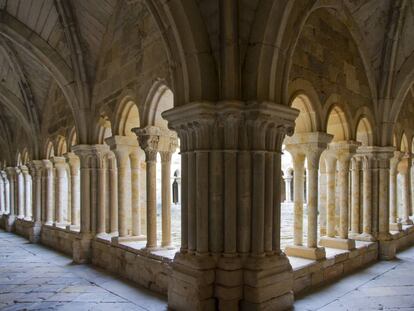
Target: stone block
column 346, row 244
column 317, row 253
column 333, row 272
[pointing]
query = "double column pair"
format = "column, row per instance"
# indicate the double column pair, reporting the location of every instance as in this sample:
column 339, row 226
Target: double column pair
column 337, row 157
column 307, row 146
column 154, row 140
column 400, row 163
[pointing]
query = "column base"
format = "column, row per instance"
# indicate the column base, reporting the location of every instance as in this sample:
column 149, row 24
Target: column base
column 229, row 283
column 191, row 285
column 34, row 234
column 268, row 283
column 314, row 253
column 366, row 237
column 73, row 227
column 82, row 249
column 345, row 244
column 387, row 249
column 407, row 222
column 118, row 239
column 9, row 223
column 396, row 226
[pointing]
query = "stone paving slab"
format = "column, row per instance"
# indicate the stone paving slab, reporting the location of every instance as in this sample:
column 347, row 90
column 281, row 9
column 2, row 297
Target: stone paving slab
column 386, row 285
column 33, row 277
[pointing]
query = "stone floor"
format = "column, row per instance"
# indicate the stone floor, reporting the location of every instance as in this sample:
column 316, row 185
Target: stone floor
column 33, row 277
column 386, row 285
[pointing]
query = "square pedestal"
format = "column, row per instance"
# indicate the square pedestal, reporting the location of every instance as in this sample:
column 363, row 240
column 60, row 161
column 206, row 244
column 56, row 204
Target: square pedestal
column 346, row 244
column 191, row 285
column 387, row 249
column 9, row 223
column 396, row 226
column 316, row 253
column 34, row 234
column 365, row 237
column 82, row 249
column 117, row 239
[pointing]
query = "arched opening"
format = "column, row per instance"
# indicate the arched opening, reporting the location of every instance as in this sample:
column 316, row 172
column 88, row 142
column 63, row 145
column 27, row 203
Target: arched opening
column 104, row 129
column 364, row 132
column 337, row 125
column 50, row 150
column 62, row 146
column 306, row 121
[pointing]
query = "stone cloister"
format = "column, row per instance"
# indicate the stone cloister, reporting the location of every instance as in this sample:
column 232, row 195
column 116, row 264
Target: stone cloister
column 127, row 123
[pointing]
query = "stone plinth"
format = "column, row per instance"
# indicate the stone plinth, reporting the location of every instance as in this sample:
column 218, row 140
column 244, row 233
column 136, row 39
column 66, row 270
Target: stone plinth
column 336, row 242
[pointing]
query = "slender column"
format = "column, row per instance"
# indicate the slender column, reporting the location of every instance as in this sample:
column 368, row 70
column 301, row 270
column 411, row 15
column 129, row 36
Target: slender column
column 36, row 170
column 355, row 221
column 393, row 187
column 166, row 197
column 74, row 169
column 298, row 183
column 367, row 197
column 136, row 212
column 6, row 193
column 2, row 195
column 61, row 199
column 27, row 193
column 330, row 194
column 343, row 180
column 288, row 181
column 406, row 191
column 20, row 193
column 383, row 197
column 49, row 191
column 113, row 176
column 149, row 140
column 101, row 213
column 313, row 157
column 322, row 203
column 151, row 161
column 124, row 202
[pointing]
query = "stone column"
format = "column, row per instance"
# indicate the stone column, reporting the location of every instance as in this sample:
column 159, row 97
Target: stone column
column 61, row 190
column 298, row 192
column 11, row 217
column 2, row 195
column 166, row 194
column 309, row 145
column 236, row 145
column 136, row 212
column 123, row 148
column 355, row 195
column 49, row 192
column 27, row 193
column 330, row 194
column 90, row 161
column 406, row 190
column 73, row 162
column 343, row 152
column 395, row 224
column 6, row 193
column 367, row 200
column 148, row 140
column 36, row 167
column 387, row 246
column 288, row 181
column 113, row 181
column 20, row 193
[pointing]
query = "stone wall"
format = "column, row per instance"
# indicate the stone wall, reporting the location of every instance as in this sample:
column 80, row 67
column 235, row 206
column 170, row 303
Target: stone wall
column 24, row 227
column 145, row 269
column 333, row 267
column 58, row 239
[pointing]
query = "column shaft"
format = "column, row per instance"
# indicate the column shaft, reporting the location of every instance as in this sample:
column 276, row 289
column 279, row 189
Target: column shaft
column 343, row 173
column 367, row 198
column 355, row 221
column 298, row 181
column 151, row 161
column 166, row 198
column 136, row 212
column 330, row 195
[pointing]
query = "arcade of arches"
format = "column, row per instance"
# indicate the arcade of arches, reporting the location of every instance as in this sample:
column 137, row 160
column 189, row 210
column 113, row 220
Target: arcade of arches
column 226, row 154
